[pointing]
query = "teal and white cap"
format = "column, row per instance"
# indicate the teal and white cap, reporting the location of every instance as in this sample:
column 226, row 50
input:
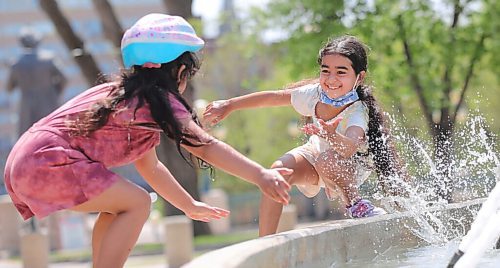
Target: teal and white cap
column 158, row 38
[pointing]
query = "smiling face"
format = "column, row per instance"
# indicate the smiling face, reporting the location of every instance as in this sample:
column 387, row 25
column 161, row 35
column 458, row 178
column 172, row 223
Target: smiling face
column 337, row 77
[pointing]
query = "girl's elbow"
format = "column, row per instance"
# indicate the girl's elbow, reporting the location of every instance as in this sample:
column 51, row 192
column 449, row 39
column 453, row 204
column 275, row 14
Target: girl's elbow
column 201, row 151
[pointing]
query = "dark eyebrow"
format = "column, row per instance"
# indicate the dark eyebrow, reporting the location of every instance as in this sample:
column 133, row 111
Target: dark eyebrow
column 336, row 67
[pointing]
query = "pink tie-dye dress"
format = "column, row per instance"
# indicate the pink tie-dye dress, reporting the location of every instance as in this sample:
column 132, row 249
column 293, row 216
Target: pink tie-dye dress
column 50, row 169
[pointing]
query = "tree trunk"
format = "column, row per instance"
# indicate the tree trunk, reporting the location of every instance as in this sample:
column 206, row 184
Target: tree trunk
column 113, row 31
column 179, row 8
column 187, row 176
column 443, row 150
column 84, row 59
column 110, row 23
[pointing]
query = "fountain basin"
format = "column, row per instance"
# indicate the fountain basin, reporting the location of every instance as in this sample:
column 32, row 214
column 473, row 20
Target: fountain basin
column 335, row 243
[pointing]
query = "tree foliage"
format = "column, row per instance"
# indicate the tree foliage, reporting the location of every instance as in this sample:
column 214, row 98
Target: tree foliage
column 451, row 46
column 450, row 43
column 430, row 61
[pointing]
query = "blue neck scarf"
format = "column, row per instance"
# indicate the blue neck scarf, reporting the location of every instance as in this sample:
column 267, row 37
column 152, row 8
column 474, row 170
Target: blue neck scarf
column 348, row 98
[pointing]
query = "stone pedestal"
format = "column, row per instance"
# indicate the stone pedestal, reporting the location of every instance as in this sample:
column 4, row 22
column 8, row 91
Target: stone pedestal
column 288, row 218
column 178, row 240
column 73, row 230
column 10, row 223
column 35, row 250
column 218, row 198
column 51, row 224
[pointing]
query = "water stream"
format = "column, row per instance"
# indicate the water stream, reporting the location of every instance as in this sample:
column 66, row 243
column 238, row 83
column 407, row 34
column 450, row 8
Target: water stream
column 472, row 168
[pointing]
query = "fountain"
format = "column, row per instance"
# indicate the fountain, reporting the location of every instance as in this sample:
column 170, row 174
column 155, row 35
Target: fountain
column 424, row 221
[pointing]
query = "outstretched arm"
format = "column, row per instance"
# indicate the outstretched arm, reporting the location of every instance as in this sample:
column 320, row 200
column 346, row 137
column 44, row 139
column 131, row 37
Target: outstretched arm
column 223, row 156
column 218, row 110
column 346, row 145
column 162, row 181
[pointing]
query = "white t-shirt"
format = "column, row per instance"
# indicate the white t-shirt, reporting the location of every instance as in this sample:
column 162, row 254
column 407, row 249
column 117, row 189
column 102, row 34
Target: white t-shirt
column 304, row 101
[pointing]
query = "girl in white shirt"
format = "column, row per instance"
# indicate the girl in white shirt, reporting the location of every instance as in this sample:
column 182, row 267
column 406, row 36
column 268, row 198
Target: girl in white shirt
column 347, row 134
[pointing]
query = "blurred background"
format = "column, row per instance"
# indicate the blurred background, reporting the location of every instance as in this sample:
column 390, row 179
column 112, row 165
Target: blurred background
column 434, row 64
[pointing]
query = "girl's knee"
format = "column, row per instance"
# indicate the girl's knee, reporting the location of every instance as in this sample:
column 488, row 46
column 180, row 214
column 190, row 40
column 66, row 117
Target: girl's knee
column 144, row 200
column 140, row 203
column 286, row 161
column 146, row 196
column 277, row 164
column 280, row 164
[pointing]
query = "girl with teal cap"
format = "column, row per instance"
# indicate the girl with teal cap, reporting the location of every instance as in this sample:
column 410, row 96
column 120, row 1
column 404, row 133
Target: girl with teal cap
column 63, row 161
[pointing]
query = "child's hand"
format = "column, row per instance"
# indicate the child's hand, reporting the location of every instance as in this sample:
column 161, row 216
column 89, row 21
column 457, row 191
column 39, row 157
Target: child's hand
column 327, row 129
column 216, row 111
column 311, row 129
column 331, row 126
column 203, row 212
column 274, row 185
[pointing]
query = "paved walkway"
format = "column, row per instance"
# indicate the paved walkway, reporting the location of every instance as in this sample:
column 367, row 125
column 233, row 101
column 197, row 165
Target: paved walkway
column 154, row 261
column 150, row 234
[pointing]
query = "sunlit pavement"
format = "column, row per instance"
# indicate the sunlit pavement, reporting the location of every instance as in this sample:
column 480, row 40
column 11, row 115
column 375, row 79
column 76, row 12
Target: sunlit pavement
column 146, row 261
column 149, row 234
column 153, row 261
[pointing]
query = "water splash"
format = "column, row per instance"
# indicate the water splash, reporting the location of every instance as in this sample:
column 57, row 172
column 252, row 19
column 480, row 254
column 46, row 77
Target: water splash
column 472, row 168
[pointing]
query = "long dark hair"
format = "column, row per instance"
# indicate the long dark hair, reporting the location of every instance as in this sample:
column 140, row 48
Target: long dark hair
column 387, row 163
column 150, row 85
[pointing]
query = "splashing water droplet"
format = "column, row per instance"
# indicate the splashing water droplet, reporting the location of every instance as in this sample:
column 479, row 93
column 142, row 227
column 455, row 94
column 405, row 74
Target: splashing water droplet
column 471, row 167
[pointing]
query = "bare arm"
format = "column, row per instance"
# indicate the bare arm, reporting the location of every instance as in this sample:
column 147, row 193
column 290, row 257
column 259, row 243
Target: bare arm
column 223, row 156
column 261, row 99
column 162, row 181
column 346, row 145
column 218, row 110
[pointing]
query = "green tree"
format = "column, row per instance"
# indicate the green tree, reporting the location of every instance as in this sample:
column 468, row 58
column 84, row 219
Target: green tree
column 109, row 21
column 429, row 51
column 440, row 53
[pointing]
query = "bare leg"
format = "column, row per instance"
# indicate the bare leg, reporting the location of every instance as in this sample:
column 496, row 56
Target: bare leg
column 100, row 227
column 269, row 215
column 270, row 211
column 336, row 170
column 130, row 206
